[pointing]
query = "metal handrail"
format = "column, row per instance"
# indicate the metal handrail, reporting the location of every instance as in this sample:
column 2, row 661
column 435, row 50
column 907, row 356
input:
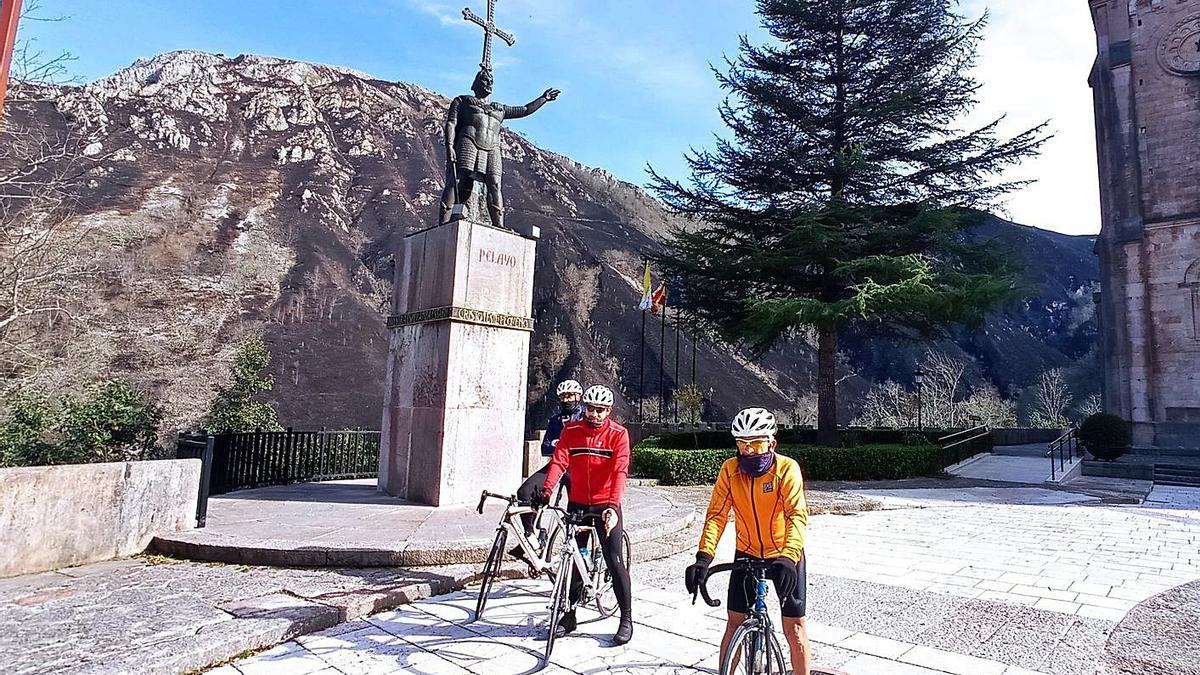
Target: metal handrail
column 1064, row 448
column 980, row 431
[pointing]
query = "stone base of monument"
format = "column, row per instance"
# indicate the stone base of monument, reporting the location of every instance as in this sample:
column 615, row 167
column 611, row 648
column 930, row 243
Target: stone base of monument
column 454, row 415
column 350, row 524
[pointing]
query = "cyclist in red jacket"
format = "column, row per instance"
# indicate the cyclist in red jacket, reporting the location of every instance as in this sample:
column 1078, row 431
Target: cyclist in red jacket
column 596, row 450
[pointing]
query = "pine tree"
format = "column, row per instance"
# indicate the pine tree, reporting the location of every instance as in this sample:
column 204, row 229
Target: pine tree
column 235, row 408
column 845, row 196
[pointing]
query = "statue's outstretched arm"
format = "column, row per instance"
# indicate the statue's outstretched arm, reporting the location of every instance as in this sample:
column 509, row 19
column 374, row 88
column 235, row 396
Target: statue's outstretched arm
column 519, row 111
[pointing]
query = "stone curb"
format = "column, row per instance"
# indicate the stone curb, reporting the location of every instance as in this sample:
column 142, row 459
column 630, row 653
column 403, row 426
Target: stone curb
column 269, row 620
column 202, row 546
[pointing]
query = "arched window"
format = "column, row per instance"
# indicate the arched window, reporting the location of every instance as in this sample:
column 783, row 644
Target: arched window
column 1191, row 281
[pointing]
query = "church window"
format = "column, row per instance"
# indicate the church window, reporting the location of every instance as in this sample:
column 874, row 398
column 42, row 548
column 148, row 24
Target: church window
column 1191, row 283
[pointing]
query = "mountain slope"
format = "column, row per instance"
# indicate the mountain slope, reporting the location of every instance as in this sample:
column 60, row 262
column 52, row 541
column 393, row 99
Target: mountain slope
column 225, row 196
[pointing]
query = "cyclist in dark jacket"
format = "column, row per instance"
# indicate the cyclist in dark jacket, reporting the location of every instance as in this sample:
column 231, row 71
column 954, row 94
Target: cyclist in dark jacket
column 569, row 393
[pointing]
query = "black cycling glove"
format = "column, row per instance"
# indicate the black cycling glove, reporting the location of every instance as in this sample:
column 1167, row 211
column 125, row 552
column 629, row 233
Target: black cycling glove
column 783, row 571
column 697, row 572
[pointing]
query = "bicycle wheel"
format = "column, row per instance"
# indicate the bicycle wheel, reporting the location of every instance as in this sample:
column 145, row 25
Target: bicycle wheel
column 744, row 654
column 606, row 595
column 559, row 599
column 491, row 570
column 552, row 546
column 774, row 653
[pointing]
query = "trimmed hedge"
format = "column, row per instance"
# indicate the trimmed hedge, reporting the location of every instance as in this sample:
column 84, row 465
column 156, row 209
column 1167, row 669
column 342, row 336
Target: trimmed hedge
column 868, row 462
column 686, row 440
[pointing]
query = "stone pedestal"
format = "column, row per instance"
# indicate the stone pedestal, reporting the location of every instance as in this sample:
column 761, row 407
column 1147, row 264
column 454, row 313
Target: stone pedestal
column 454, row 408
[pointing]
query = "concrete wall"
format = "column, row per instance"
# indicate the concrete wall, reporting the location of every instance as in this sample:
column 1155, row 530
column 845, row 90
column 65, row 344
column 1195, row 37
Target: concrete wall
column 57, row 516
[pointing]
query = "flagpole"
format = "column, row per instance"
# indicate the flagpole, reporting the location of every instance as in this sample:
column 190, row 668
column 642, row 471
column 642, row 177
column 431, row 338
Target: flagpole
column 662, row 360
column 642, row 372
column 693, row 354
column 676, row 381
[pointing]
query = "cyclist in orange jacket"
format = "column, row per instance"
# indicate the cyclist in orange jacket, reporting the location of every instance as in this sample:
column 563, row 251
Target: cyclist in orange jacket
column 766, row 492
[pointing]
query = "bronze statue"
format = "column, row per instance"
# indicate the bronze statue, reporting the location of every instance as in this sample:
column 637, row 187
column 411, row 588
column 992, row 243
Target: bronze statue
column 472, row 132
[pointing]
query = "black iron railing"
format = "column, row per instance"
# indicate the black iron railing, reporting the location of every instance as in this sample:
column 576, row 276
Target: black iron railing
column 261, row 458
column 961, row 445
column 1061, row 452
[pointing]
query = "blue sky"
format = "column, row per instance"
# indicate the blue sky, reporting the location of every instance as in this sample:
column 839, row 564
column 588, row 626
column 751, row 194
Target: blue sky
column 634, row 74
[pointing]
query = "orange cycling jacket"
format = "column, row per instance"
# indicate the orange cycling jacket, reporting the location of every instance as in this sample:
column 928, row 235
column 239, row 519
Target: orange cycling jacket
column 769, row 511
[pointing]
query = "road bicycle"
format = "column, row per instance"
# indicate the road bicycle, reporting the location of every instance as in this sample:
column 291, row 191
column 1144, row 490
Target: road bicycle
column 538, row 553
column 588, row 562
column 755, row 639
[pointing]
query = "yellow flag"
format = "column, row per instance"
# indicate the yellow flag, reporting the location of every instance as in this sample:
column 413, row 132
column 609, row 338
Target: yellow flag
column 645, row 303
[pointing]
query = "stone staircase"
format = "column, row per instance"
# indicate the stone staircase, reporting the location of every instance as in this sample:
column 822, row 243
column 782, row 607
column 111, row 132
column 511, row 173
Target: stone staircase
column 1186, row 475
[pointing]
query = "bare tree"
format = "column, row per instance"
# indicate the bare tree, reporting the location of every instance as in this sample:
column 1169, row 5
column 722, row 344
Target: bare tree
column 802, row 412
column 940, row 391
column 986, row 405
column 1052, row 398
column 38, row 242
column 31, row 64
column 888, row 405
column 1090, row 406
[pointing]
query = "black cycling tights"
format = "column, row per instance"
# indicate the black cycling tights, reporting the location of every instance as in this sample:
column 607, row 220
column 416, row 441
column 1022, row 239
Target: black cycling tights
column 614, row 556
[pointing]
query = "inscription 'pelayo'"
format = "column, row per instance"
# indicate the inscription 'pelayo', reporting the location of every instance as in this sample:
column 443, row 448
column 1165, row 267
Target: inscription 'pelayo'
column 497, row 257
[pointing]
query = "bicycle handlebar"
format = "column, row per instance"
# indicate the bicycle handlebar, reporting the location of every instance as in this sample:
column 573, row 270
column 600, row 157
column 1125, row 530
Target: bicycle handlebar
column 511, row 499
column 716, row 569
column 752, row 566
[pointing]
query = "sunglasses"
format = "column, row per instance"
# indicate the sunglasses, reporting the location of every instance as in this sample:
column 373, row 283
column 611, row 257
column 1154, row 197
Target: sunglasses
column 596, row 409
column 756, row 445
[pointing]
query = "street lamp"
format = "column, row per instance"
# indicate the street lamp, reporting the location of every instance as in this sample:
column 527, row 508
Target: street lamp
column 919, row 378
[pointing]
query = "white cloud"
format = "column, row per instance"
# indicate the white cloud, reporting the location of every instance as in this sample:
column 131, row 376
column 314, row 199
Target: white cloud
column 1033, row 66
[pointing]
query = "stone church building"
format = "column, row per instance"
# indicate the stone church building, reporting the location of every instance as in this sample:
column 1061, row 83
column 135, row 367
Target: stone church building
column 1146, row 86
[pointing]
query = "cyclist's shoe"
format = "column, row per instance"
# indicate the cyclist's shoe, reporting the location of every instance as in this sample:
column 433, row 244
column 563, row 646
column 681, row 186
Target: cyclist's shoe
column 624, row 631
column 517, row 552
column 566, row 624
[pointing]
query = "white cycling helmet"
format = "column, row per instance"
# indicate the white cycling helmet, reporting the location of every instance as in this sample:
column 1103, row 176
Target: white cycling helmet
column 569, row 387
column 598, row 394
column 753, row 422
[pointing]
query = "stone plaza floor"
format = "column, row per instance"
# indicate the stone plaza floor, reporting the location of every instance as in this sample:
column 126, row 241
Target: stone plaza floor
column 970, row 581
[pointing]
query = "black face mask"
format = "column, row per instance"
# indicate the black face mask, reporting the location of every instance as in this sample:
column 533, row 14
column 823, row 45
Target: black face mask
column 569, row 408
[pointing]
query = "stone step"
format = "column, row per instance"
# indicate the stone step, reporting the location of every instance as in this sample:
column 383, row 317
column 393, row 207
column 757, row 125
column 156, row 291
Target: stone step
column 1164, row 469
column 1165, row 451
column 1179, row 482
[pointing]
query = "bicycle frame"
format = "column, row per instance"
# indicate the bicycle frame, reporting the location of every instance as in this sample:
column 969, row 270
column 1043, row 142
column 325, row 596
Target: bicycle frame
column 762, row 640
column 539, row 560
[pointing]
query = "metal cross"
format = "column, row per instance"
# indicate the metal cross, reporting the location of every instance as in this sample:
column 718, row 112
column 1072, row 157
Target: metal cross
column 489, row 29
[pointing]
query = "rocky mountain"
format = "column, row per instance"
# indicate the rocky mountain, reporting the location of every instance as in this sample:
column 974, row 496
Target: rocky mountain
column 219, row 197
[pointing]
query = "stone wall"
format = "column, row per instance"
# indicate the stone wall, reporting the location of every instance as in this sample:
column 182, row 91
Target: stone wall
column 58, row 516
column 1148, row 137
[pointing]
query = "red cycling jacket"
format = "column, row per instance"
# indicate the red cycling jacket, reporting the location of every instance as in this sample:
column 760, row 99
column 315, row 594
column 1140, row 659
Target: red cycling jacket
column 598, row 458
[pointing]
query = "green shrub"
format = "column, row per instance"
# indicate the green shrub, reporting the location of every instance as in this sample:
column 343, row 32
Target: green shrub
column 25, row 432
column 115, row 423
column 720, row 438
column 868, row 462
column 236, row 407
column 1105, row 436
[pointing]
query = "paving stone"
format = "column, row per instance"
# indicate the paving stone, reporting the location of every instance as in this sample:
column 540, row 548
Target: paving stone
column 958, row 664
column 875, row 645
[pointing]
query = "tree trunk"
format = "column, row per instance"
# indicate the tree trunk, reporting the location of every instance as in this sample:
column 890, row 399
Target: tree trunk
column 827, row 430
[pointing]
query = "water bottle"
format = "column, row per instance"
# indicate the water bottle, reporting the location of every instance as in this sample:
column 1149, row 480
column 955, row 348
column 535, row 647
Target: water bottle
column 760, row 602
column 587, row 557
